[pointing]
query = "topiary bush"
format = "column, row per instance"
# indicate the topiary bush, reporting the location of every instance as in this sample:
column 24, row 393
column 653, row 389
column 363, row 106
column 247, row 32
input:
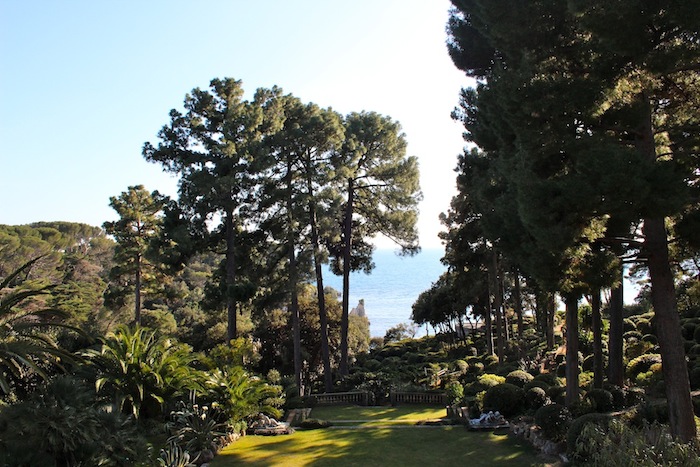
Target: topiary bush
column 554, row 421
column 519, row 378
column 549, row 378
column 505, row 398
column 641, row 364
column 535, row 398
column 618, row 395
column 557, row 394
column 601, row 400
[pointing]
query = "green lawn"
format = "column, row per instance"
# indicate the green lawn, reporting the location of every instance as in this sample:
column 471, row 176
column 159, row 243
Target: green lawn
column 403, row 446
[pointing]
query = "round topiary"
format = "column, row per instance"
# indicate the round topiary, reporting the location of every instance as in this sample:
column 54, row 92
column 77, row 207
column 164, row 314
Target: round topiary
column 536, row 384
column 490, row 360
column 549, row 378
column 576, row 452
column 695, row 377
column 618, row 395
column 519, row 378
column 506, row 398
column 601, row 400
column 635, row 396
column 554, row 421
column 536, row 398
column 373, row 364
column 696, row 334
column 557, row 394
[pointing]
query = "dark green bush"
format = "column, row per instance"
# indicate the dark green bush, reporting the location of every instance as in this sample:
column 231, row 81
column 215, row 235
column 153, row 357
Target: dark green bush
column 688, row 330
column 651, row 338
column 548, row 378
column 519, row 378
column 575, row 450
column 695, row 377
column 536, row 384
column 554, row 421
column 535, row 398
column 696, row 334
column 634, row 396
column 601, row 400
column 618, row 395
column 373, row 364
column 557, row 394
column 633, row 335
column 314, row 424
column 629, row 325
column 505, row 398
column 644, row 326
column 490, row 360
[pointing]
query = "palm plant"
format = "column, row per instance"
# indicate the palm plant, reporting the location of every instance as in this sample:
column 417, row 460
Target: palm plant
column 28, row 330
column 241, row 396
column 140, row 370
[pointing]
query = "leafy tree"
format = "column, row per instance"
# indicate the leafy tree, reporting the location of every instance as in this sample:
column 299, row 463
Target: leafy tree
column 214, row 147
column 138, row 225
column 616, row 147
column 382, row 194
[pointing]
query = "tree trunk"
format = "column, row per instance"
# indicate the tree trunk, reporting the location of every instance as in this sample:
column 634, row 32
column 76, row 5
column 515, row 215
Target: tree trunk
column 663, row 298
column 137, row 292
column 347, row 251
column 616, row 367
column 668, row 330
column 323, row 317
column 597, row 340
column 497, row 305
column 571, row 350
column 518, row 304
column 549, row 320
column 230, row 278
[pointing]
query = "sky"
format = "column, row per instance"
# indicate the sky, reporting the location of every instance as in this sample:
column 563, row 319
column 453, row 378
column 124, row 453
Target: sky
column 84, row 84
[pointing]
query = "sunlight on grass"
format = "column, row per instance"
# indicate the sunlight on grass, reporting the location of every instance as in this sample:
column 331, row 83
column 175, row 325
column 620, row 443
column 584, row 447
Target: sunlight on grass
column 361, row 447
column 400, row 413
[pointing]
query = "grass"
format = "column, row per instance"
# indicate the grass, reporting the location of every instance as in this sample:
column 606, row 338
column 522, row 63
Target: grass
column 403, row 446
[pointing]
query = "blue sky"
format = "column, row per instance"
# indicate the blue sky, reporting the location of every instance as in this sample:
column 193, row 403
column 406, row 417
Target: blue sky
column 83, row 84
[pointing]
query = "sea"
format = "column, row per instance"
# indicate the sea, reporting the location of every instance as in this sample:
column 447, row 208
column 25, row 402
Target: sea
column 392, row 287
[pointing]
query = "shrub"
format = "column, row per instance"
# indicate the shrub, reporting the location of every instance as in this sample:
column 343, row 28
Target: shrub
column 618, row 395
column 688, row 330
column 557, row 394
column 519, row 378
column 622, row 445
column 490, row 360
column 489, row 380
column 554, row 421
column 635, row 396
column 62, row 421
column 696, row 334
column 695, row 377
column 455, row 392
column 577, row 451
column 506, row 398
column 535, row 383
column 461, row 366
column 641, row 364
column 314, row 424
column 373, row 364
column 601, row 400
column 476, row 368
column 536, row 398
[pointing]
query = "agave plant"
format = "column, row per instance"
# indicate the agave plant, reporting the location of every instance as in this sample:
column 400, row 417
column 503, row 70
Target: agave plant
column 175, row 456
column 28, row 330
column 195, row 428
column 140, row 370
